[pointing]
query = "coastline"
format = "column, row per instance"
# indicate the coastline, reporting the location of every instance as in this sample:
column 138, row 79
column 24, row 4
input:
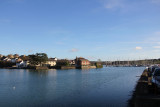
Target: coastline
column 145, row 94
column 54, row 67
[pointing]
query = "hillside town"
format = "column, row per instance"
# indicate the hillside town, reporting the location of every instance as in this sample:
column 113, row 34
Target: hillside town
column 41, row 61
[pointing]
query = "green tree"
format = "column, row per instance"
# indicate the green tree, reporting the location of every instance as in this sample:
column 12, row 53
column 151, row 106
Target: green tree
column 24, row 58
column 63, row 63
column 98, row 64
column 38, row 59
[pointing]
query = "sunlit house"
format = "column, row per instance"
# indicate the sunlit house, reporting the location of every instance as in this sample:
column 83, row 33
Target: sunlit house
column 80, row 62
column 51, row 62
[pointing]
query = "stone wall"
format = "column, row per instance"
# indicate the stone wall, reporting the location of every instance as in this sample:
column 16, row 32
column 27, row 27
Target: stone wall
column 92, row 67
column 40, row 68
column 68, row 67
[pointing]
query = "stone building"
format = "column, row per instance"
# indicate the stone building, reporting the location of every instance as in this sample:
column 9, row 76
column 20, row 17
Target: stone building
column 82, row 62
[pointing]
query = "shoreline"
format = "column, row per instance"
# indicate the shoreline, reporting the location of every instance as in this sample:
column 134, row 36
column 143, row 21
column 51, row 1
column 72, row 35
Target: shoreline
column 55, row 67
column 144, row 94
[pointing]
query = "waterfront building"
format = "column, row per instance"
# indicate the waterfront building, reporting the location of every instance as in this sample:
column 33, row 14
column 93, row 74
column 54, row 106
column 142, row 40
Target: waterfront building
column 72, row 62
column 22, row 64
column 6, row 59
column 19, row 60
column 13, row 60
column 51, row 62
column 82, row 62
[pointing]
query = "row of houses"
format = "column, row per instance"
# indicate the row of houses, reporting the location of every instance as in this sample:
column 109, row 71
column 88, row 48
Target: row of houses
column 78, row 62
column 13, row 60
column 23, row 62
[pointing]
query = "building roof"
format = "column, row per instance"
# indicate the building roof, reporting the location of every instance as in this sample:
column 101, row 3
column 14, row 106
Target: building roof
column 62, row 60
column 82, row 59
column 51, row 59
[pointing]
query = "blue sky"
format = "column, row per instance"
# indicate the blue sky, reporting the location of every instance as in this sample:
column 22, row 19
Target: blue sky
column 105, row 29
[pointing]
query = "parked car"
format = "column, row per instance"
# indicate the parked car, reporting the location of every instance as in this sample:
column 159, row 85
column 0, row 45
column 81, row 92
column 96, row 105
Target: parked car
column 156, row 77
column 153, row 68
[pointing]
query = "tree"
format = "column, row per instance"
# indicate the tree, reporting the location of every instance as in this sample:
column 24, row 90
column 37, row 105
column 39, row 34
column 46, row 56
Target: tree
column 38, row 59
column 24, row 58
column 16, row 55
column 6, row 64
column 98, row 65
column 10, row 56
column 63, row 63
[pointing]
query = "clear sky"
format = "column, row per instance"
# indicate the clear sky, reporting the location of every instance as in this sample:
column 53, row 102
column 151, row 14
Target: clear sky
column 105, row 29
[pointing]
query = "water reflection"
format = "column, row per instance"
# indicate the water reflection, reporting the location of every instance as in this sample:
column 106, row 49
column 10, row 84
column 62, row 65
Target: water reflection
column 92, row 87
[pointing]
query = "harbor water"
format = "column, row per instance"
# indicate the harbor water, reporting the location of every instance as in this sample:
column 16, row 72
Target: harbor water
column 108, row 86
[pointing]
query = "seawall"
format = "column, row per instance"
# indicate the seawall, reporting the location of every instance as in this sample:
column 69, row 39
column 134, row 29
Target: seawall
column 145, row 93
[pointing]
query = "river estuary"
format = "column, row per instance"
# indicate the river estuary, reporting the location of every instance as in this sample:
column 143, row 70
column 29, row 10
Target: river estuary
column 109, row 86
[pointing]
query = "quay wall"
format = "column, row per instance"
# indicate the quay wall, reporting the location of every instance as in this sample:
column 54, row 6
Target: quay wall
column 93, row 67
column 41, row 68
column 68, row 67
column 145, row 94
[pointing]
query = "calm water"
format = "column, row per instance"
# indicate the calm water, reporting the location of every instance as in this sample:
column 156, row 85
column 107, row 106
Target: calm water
column 109, row 86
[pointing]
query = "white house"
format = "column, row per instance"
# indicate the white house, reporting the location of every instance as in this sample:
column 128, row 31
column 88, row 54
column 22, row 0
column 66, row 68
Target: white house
column 72, row 62
column 54, row 59
column 6, row 59
column 22, row 64
column 13, row 60
column 51, row 62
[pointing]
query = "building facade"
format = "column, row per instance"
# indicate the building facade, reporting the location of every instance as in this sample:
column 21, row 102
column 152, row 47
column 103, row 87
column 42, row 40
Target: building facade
column 80, row 62
column 51, row 62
